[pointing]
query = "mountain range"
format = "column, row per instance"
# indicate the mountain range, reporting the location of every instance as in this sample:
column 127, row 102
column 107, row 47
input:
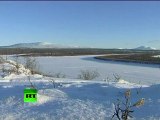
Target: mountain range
column 38, row 45
column 144, row 48
column 51, row 45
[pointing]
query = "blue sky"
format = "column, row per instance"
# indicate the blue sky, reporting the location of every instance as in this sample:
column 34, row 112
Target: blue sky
column 93, row 24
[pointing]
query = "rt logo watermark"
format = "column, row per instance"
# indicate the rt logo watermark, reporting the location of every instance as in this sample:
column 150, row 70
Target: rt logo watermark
column 30, row 95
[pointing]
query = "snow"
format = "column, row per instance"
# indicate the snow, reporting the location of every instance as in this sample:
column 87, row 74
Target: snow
column 156, row 56
column 145, row 48
column 73, row 99
column 39, row 45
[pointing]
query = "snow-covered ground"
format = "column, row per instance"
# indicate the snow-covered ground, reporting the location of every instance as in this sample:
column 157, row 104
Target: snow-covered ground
column 75, row 99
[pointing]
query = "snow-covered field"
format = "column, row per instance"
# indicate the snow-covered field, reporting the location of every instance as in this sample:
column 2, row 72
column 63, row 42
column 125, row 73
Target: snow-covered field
column 75, row 99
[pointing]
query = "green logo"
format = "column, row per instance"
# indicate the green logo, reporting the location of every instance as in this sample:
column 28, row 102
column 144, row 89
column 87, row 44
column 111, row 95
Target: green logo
column 30, row 95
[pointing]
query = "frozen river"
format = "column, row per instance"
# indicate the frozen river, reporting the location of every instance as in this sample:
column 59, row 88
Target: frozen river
column 72, row 65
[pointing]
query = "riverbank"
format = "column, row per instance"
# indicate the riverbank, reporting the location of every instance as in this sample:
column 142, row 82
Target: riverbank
column 131, row 58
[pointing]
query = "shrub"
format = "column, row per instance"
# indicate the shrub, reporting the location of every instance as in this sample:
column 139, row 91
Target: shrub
column 17, row 66
column 1, row 60
column 107, row 79
column 59, row 75
column 88, row 74
column 123, row 110
column 7, row 71
column 31, row 64
column 31, row 84
column 54, row 83
column 116, row 77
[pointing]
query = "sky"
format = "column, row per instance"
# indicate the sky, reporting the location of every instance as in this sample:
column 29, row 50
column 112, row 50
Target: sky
column 100, row 24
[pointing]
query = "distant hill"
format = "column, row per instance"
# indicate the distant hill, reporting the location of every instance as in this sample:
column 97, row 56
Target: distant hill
column 144, row 48
column 38, row 45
